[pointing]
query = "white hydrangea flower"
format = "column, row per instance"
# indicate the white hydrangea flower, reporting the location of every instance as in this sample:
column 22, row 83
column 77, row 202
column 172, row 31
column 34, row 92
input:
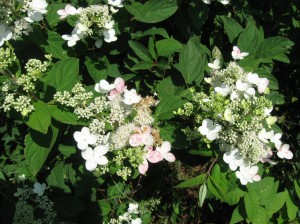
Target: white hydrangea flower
column 224, row 2
column 133, row 208
column 261, row 83
column 36, row 10
column 284, row 152
column 95, row 157
column 224, row 89
column 237, row 54
column 84, row 138
column 164, row 150
column 103, row 86
column 39, row 189
column 73, row 38
column 209, row 129
column 245, row 88
column 276, row 140
column 136, row 221
column 131, row 97
column 248, row 174
column 110, row 35
column 116, row 3
column 206, row 1
column 68, row 10
column 215, row 65
column 233, row 158
column 263, row 135
column 5, row 34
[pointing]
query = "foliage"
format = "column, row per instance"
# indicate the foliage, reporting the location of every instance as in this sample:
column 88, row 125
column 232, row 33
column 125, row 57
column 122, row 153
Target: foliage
column 97, row 94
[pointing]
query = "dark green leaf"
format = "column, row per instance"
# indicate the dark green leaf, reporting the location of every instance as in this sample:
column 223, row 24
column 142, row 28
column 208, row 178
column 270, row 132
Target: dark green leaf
column 166, row 47
column 232, row 28
column 140, row 51
column 195, row 181
column 56, row 178
column 167, row 106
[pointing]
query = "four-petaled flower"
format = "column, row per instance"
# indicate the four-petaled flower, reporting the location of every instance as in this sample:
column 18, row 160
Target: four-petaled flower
column 39, row 189
column 110, row 35
column 215, row 65
column 237, row 54
column 36, row 10
column 84, row 138
column 248, row 174
column 209, row 129
column 95, row 156
column 284, row 152
column 68, row 10
column 131, row 97
column 233, row 158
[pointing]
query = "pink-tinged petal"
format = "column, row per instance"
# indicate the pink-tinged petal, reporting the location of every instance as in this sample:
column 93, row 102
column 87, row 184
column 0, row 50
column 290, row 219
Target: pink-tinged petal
column 120, row 85
column 87, row 154
column 147, row 139
column 136, row 140
column 90, row 165
column 154, row 156
column 256, row 177
column 143, row 167
column 70, row 10
column 148, row 148
column 101, row 160
column 170, row 157
column 62, row 13
column 253, row 170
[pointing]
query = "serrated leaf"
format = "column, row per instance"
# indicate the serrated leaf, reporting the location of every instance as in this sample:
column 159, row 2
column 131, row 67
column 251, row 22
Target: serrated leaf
column 232, row 28
column 273, row 46
column 238, row 214
column 297, row 188
column 272, row 207
column 52, row 17
column 195, row 181
column 217, row 183
column 140, row 51
column 292, row 208
column 251, row 204
column 156, row 31
column 152, row 11
column 263, row 188
column 249, row 39
column 40, row 118
column 167, row 106
column 64, row 74
column 167, row 88
column 38, row 147
column 104, row 206
column 166, row 47
column 144, row 65
column 56, row 178
column 192, row 63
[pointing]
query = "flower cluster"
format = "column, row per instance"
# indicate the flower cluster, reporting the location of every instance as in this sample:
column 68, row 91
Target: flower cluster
column 120, row 132
column 16, row 17
column 33, row 207
column 224, row 2
column 93, row 21
column 19, row 90
column 131, row 216
column 236, row 114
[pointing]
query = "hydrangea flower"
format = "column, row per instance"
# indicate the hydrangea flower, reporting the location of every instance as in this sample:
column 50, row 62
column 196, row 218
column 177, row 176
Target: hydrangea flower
column 276, row 140
column 68, row 10
column 131, row 97
column 115, row 3
column 110, row 35
column 84, row 138
column 164, row 150
column 245, row 88
column 136, row 221
column 267, row 157
column 248, row 174
column 284, row 152
column 237, row 54
column 36, row 10
column 261, row 83
column 39, row 189
column 263, row 135
column 95, row 157
column 215, row 65
column 133, row 208
column 224, row 89
column 209, row 129
column 72, row 39
column 5, row 34
column 104, row 87
column 233, row 158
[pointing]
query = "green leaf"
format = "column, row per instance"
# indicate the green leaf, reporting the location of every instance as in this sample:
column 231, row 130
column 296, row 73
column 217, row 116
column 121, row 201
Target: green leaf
column 192, row 62
column 144, row 65
column 104, row 207
column 52, row 17
column 275, row 203
column 96, row 67
column 151, row 47
column 195, row 181
column 249, row 39
column 156, row 31
column 275, row 97
column 67, row 150
column 116, row 191
column 165, row 108
column 166, row 47
column 292, row 209
column 263, row 188
column 56, row 178
column 63, row 75
column 56, row 46
column 297, row 188
column 140, row 51
column 65, row 116
column 217, row 183
column 38, row 147
column 152, row 11
column 251, row 204
column 238, row 214
column 232, row 28
column 273, row 46
column 202, row 194
column 166, row 88
column 40, row 119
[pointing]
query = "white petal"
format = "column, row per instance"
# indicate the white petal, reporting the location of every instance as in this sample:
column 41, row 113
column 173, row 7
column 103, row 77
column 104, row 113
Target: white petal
column 169, row 157
column 102, row 160
column 87, row 154
column 101, row 150
column 91, row 165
